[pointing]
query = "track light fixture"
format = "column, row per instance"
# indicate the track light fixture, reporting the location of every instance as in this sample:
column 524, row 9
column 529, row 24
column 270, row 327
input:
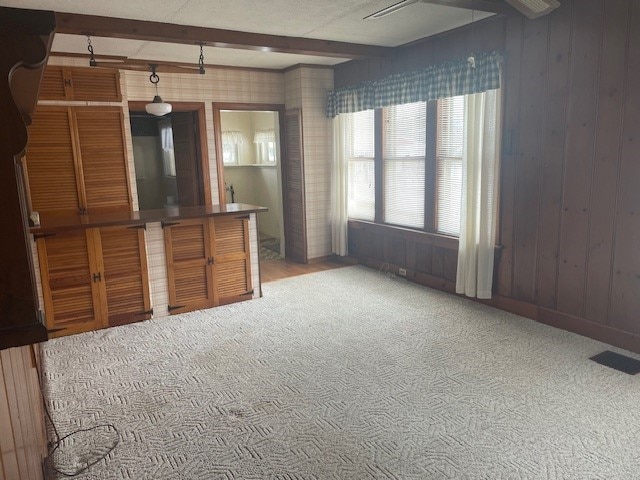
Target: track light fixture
column 157, row 106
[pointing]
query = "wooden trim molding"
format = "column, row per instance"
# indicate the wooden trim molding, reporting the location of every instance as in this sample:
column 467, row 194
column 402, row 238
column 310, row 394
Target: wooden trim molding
column 77, row 24
column 429, row 238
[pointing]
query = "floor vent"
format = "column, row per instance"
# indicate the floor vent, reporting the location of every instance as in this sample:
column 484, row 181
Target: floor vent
column 619, row 362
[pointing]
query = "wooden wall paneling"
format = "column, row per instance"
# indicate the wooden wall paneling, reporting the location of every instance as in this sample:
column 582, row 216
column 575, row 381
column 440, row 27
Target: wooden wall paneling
column 424, row 261
column 8, row 453
column 16, row 406
column 26, row 425
column 578, row 167
column 606, row 168
column 437, row 262
column 529, row 158
column 23, row 439
column 512, row 75
column 51, row 160
column 13, row 453
column 394, row 250
column 37, row 437
column 450, row 265
column 101, row 142
column 294, row 186
column 550, row 201
column 625, row 287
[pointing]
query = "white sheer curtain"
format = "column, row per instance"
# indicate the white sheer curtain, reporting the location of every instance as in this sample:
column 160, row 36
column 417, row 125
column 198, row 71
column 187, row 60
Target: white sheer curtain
column 168, row 154
column 481, row 158
column 339, row 178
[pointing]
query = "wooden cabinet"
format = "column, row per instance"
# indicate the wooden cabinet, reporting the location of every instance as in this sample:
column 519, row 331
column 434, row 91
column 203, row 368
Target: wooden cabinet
column 80, row 83
column 208, row 262
column 76, row 159
column 71, row 286
column 93, row 278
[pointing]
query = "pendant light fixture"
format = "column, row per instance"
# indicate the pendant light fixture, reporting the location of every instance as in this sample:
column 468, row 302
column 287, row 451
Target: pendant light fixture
column 157, row 106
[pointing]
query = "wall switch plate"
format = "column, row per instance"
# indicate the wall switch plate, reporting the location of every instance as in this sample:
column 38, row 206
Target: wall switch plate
column 402, row 272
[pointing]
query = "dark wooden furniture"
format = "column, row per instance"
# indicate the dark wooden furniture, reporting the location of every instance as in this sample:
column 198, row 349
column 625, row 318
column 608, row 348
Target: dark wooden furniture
column 25, row 38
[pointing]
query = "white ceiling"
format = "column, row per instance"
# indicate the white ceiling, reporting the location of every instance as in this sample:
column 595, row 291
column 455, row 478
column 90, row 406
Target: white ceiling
column 338, row 20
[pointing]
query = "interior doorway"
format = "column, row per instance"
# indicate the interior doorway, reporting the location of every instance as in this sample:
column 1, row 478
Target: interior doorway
column 170, row 157
column 248, row 139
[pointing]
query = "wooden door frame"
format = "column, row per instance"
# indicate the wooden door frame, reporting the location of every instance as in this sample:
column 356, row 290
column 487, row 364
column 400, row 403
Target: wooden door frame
column 203, row 148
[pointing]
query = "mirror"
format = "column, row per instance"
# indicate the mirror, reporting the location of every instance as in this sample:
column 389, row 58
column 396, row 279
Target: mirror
column 250, row 147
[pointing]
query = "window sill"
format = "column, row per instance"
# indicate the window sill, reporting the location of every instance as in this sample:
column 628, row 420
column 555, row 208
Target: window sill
column 254, row 165
column 435, row 239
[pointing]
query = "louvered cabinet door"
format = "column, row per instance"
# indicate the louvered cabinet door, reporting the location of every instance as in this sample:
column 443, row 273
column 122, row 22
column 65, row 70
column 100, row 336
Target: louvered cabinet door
column 71, row 282
column 189, row 260
column 232, row 265
column 125, row 274
column 104, row 162
column 96, row 84
column 50, row 161
column 53, row 85
column 80, row 83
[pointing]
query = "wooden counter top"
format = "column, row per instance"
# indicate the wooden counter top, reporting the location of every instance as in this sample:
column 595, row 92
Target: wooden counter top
column 60, row 222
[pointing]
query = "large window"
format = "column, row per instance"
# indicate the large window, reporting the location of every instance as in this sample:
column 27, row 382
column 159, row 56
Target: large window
column 361, row 165
column 449, row 165
column 418, row 168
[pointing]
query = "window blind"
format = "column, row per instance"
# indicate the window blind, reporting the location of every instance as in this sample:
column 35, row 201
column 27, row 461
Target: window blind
column 404, row 147
column 361, row 166
column 449, row 165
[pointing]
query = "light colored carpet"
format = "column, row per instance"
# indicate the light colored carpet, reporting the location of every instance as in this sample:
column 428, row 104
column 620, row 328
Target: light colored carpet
column 347, row 374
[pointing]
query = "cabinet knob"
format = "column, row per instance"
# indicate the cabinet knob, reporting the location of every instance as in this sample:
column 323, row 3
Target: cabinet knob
column 97, row 277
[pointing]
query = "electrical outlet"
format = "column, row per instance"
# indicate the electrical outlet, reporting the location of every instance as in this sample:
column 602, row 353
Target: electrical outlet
column 402, row 272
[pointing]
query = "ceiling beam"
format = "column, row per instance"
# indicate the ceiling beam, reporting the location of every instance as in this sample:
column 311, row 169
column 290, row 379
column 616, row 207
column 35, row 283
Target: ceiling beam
column 492, row 6
column 76, row 24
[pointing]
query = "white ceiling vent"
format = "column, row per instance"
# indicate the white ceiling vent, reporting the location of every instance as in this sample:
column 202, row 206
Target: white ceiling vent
column 534, row 8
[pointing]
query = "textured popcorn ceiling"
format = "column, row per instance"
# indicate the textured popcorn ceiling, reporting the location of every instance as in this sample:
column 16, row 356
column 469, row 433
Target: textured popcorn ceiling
column 338, row 20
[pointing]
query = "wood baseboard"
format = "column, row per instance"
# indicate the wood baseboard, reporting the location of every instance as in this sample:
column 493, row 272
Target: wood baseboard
column 597, row 331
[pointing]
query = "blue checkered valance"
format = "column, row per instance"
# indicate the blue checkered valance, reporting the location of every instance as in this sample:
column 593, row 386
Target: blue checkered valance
column 438, row 81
